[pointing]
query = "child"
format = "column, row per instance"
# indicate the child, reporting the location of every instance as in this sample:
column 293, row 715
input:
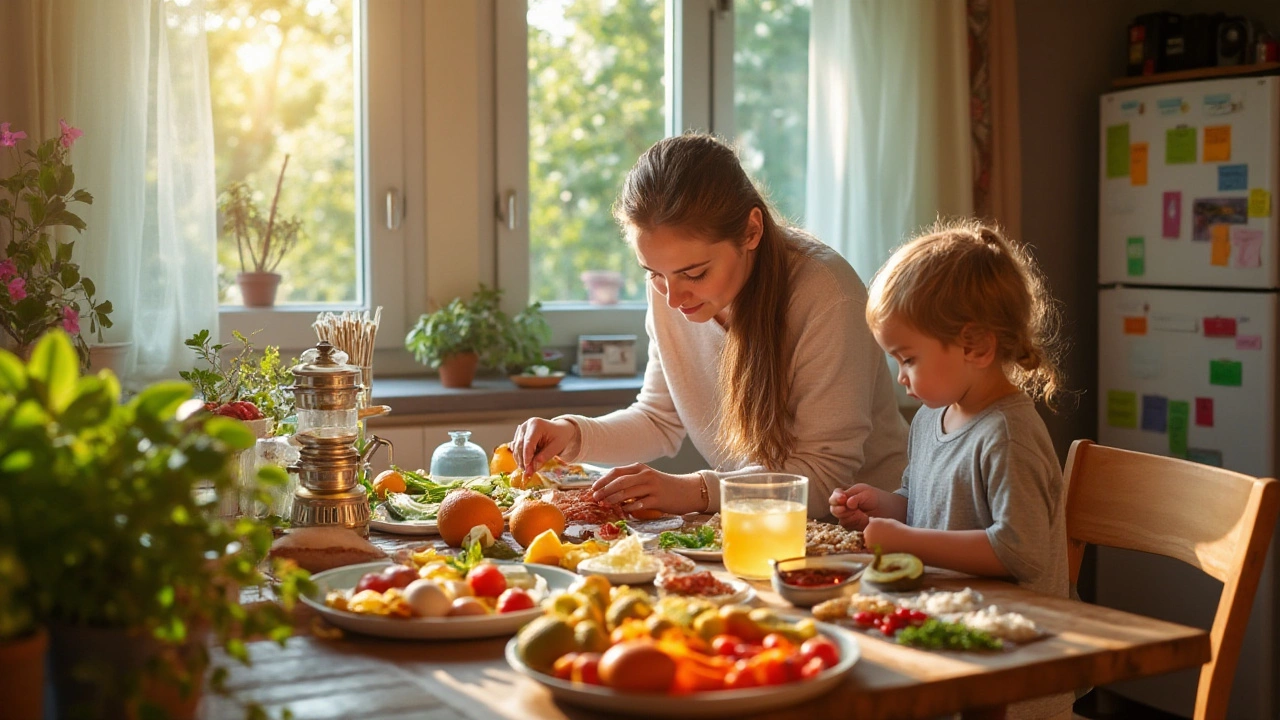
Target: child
column 967, row 317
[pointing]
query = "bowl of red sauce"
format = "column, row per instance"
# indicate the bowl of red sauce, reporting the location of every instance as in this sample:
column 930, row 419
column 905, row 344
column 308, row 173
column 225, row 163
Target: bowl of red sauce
column 807, row 581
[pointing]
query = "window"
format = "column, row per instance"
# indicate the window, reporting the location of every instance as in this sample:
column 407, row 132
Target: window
column 323, row 81
column 599, row 81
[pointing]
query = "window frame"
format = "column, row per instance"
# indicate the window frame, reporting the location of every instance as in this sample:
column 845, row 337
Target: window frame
column 391, row 161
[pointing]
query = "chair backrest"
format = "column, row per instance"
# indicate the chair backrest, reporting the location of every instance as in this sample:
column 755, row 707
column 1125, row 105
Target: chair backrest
column 1215, row 520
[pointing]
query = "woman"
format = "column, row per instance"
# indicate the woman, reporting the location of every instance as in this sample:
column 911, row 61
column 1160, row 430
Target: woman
column 758, row 349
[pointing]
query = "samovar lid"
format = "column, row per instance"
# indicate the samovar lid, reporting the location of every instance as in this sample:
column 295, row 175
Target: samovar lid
column 324, row 367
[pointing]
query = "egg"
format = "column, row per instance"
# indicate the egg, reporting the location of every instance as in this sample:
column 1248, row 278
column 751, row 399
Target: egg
column 637, row 666
column 464, row 606
column 427, row 599
column 456, row 588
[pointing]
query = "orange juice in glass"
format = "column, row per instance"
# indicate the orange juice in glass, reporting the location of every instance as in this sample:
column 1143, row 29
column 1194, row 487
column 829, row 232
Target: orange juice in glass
column 762, row 518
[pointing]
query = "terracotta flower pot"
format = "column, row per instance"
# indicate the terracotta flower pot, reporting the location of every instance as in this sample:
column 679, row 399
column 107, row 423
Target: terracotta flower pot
column 22, row 675
column 258, row 288
column 457, row 371
column 110, row 356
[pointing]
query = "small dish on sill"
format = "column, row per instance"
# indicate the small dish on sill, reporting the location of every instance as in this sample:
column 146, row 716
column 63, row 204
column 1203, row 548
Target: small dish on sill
column 538, row 381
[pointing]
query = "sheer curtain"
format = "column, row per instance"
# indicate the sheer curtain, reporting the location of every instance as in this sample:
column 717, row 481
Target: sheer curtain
column 134, row 77
column 889, row 140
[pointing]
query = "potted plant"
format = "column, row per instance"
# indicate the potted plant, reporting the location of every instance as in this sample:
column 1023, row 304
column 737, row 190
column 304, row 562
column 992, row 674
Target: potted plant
column 267, row 240
column 245, row 387
column 126, row 566
column 466, row 334
column 23, row 643
column 40, row 286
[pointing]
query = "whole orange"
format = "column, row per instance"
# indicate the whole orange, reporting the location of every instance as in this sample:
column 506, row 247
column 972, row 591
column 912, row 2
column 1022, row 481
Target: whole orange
column 531, row 517
column 463, row 509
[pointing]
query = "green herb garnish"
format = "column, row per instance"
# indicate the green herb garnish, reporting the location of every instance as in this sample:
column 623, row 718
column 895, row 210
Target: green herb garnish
column 701, row 537
column 936, row 634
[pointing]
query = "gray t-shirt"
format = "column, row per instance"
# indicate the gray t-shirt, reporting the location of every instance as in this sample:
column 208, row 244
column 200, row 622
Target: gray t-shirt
column 998, row 473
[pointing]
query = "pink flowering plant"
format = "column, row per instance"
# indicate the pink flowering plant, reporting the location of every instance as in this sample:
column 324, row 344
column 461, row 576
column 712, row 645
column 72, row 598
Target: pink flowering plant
column 40, row 287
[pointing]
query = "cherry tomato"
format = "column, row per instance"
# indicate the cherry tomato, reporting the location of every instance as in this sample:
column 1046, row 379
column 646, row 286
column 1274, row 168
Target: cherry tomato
column 376, row 582
column 725, row 644
column 902, row 612
column 866, row 619
column 563, row 668
column 746, row 650
column 891, row 625
column 770, row 668
column 486, row 581
column 813, row 667
column 774, row 640
column 918, row 616
column 399, row 576
column 822, row 649
column 586, row 668
column 514, row 599
column 740, row 676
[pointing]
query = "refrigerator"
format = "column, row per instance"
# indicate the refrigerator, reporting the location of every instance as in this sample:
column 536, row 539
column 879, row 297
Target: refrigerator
column 1188, row 275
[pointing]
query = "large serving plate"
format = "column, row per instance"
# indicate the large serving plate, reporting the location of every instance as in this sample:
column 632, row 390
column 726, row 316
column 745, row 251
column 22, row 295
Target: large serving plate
column 717, row 703
column 476, row 626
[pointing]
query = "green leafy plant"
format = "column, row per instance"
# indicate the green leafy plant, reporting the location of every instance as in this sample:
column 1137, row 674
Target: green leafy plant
column 262, row 381
column 267, row 239
column 103, row 504
column 480, row 326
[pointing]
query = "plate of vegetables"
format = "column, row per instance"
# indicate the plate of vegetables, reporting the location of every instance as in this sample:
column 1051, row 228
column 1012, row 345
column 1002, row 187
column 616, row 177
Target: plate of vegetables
column 413, row 511
column 701, row 543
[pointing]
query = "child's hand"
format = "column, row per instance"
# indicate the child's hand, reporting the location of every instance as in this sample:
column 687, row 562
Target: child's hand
column 860, row 503
column 885, row 532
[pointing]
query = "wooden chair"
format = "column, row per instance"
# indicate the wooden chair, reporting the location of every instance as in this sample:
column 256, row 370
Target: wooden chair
column 1215, row 520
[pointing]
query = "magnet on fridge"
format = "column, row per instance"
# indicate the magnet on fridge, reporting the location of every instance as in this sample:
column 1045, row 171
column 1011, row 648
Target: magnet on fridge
column 1259, row 203
column 1204, row 412
column 1171, row 215
column 1248, row 342
column 1233, row 177
column 1217, row 143
column 1155, row 412
column 1138, row 164
column 1179, row 145
column 1122, row 409
column 1137, row 256
column 1179, row 420
column 1247, row 243
column 1135, row 326
column 1220, row 327
column 1226, row 372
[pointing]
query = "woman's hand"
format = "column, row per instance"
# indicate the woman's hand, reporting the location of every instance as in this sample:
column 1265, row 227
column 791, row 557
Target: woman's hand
column 538, row 440
column 890, row 535
column 640, row 487
column 855, row 506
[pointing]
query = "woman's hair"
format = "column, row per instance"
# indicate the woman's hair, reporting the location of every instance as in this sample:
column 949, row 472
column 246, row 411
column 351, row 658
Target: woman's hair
column 962, row 280
column 695, row 183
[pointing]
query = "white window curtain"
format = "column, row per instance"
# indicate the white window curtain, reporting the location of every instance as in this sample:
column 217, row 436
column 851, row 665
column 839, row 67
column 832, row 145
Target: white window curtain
column 889, row 146
column 133, row 75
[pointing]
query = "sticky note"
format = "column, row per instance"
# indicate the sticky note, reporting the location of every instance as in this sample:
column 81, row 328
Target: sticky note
column 1226, row 372
column 1204, row 412
column 1219, row 327
column 1179, row 420
column 1172, row 322
column 1146, row 359
column 1135, row 326
column 1138, row 164
column 1122, row 409
column 1247, row 243
column 1155, row 411
column 1179, row 145
column 1248, row 342
column 1205, row 457
column 1217, row 143
column 1259, row 203
column 1118, row 150
column 1171, row 215
column 1220, row 250
column 1233, row 177
column 1137, row 255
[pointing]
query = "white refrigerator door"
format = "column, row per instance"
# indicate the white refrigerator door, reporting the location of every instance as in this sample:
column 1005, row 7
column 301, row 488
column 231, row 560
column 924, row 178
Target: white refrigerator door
column 1176, row 161
column 1193, row 374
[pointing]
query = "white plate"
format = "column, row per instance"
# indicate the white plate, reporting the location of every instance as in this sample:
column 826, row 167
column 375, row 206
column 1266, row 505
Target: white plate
column 700, row 555
column 742, row 593
column 380, row 520
column 594, row 472
column 588, row 567
column 716, row 703
column 475, row 626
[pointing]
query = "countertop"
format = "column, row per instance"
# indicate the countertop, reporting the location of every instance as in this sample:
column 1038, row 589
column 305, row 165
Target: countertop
column 426, row 396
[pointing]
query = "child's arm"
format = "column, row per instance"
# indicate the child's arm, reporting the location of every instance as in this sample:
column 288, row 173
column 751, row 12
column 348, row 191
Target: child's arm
column 967, row 551
column 854, row 506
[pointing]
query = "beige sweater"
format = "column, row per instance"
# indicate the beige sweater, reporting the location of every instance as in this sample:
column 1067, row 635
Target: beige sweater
column 846, row 416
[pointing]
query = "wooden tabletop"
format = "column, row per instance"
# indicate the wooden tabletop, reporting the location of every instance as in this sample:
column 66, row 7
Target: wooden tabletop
column 377, row 679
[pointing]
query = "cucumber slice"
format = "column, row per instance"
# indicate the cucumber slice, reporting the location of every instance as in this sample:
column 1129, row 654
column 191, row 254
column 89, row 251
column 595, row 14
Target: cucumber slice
column 895, row 572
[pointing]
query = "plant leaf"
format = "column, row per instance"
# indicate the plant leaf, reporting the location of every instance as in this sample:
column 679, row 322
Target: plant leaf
column 55, row 368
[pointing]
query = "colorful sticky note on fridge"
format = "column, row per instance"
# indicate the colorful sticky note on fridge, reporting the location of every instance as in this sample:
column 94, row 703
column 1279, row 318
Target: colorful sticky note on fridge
column 1247, row 242
column 1171, row 215
column 1233, row 177
column 1220, row 250
column 1179, row 422
column 1137, row 255
column 1219, row 327
column 1175, row 322
column 1226, row 372
column 1118, row 150
column 1204, row 412
column 1155, row 411
column 1122, row 409
column 1138, row 164
column 1217, row 143
column 1179, row 145
column 1135, row 326
column 1205, row 457
column 1259, row 203
column 1248, row 342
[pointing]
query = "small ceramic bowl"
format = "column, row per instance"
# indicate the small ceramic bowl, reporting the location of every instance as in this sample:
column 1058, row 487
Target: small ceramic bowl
column 537, row 381
column 592, row 566
column 800, row 595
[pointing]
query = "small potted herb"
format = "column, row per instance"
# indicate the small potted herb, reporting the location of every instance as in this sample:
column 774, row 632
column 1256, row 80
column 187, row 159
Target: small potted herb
column 266, row 239
column 244, row 387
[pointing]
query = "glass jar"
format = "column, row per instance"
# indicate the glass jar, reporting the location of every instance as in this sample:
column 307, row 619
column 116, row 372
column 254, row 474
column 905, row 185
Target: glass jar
column 327, row 391
column 459, row 458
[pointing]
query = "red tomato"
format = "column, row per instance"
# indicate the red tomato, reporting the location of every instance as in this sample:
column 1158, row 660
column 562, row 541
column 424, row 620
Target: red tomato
column 586, row 668
column 746, row 650
column 563, row 668
column 486, row 581
column 514, row 599
column 739, row 677
column 866, row 619
column 918, row 616
column 774, row 640
column 822, row 649
column 376, row 582
column 813, row 667
column 399, row 576
column 891, row 624
column 725, row 644
column 770, row 669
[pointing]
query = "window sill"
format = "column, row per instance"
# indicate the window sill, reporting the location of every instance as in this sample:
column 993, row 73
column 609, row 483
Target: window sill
column 408, row 396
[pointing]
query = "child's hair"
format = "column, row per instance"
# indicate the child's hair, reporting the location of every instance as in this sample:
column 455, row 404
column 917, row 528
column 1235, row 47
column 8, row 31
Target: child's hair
column 962, row 279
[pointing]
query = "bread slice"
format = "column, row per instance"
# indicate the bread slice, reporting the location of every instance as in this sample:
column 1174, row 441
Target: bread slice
column 322, row 548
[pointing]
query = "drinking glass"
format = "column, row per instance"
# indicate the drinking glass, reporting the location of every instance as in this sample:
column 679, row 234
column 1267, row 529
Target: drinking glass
column 762, row 518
